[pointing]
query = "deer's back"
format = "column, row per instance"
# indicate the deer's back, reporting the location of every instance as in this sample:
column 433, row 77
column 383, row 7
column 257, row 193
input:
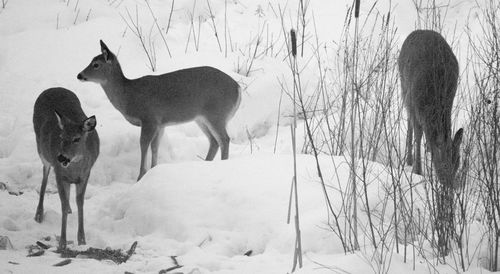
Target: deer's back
column 184, row 94
column 429, row 75
column 45, row 123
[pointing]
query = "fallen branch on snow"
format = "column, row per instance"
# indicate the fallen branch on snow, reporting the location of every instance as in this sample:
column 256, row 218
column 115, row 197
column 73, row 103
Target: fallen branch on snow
column 176, row 266
column 115, row 255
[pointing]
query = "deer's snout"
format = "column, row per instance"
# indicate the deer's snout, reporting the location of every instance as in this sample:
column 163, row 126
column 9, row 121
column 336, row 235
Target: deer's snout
column 63, row 160
column 80, row 77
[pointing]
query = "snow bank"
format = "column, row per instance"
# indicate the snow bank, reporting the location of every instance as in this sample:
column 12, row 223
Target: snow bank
column 209, row 214
column 229, row 207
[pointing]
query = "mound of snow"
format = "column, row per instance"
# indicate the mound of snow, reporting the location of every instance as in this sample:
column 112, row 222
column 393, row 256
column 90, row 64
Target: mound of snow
column 228, row 207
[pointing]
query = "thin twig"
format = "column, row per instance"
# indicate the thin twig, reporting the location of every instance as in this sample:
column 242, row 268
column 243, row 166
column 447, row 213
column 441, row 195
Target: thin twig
column 158, row 27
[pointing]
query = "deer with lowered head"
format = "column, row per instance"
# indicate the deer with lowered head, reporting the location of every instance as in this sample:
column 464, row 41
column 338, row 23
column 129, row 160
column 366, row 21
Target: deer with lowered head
column 68, row 143
column 205, row 95
column 429, row 76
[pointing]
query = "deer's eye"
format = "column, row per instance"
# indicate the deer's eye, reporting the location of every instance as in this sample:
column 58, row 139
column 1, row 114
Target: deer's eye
column 95, row 65
column 76, row 139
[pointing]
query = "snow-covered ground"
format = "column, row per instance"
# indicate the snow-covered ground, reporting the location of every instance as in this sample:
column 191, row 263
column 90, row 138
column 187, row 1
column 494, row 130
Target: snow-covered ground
column 207, row 214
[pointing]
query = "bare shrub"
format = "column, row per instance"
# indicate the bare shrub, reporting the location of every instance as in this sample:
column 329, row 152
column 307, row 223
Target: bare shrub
column 146, row 40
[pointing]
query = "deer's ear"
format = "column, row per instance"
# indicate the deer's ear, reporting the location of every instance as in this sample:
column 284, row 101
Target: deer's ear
column 60, row 119
column 455, row 152
column 457, row 140
column 89, row 123
column 106, row 53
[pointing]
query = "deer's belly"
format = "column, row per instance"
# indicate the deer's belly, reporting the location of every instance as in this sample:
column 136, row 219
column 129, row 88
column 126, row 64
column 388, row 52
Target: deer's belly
column 134, row 121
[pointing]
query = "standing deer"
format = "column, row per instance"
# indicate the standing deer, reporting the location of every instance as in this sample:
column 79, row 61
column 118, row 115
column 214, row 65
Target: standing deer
column 429, row 74
column 67, row 142
column 202, row 94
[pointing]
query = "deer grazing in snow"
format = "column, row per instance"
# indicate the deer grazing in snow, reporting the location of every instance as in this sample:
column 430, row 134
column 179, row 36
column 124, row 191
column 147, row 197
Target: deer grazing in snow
column 202, row 94
column 67, row 142
column 429, row 75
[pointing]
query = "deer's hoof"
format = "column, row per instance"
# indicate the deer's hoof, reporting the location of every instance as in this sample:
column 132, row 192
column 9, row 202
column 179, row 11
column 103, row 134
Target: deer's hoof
column 39, row 216
column 81, row 241
column 409, row 162
column 62, row 245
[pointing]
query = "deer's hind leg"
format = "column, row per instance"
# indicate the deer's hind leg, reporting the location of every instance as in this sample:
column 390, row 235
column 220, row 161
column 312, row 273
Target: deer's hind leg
column 218, row 129
column 213, row 145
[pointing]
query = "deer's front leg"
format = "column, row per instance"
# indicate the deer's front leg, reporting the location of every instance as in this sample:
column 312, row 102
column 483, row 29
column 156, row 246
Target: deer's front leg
column 417, row 165
column 147, row 133
column 39, row 209
column 63, row 190
column 80, row 197
column 409, row 143
column 155, row 144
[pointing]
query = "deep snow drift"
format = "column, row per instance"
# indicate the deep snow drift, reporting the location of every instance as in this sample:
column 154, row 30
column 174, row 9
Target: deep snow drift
column 208, row 218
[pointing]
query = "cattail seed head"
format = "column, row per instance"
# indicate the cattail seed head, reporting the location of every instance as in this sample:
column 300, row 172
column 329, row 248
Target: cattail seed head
column 294, row 42
column 356, row 9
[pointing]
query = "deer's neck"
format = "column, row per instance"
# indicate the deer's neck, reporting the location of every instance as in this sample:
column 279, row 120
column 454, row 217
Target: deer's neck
column 116, row 90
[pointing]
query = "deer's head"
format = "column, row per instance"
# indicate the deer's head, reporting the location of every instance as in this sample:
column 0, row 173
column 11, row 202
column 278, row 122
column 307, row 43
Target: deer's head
column 446, row 157
column 102, row 68
column 73, row 138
